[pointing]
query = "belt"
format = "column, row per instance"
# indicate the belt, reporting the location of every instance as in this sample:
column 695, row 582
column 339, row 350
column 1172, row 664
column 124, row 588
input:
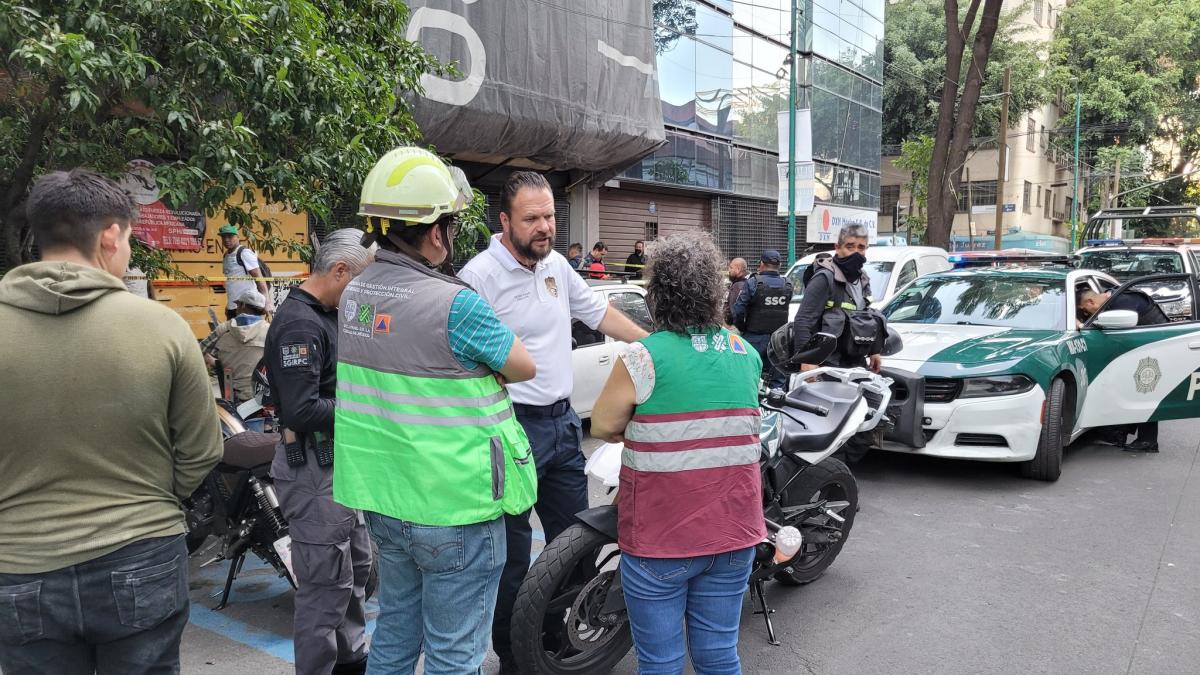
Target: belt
column 556, row 409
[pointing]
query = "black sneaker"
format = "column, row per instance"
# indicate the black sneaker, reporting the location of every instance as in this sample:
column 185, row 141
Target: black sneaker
column 1142, row 446
column 1113, row 437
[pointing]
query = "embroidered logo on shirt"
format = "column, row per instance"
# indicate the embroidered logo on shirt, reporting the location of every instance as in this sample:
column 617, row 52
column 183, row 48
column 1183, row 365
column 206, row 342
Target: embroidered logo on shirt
column 366, row 314
column 700, row 343
column 737, row 345
column 351, row 310
column 552, row 286
column 294, row 356
column 383, row 323
column 719, row 343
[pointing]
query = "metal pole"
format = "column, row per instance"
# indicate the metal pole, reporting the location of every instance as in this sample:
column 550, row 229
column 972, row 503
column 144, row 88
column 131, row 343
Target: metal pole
column 1075, row 190
column 791, row 172
column 1003, row 136
column 1116, row 201
column 970, row 212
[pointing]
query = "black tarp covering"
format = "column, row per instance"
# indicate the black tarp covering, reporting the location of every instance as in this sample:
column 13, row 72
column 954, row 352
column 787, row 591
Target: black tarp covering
column 564, row 83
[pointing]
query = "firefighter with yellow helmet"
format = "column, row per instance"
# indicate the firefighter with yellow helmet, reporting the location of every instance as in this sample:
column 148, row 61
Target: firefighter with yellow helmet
column 426, row 441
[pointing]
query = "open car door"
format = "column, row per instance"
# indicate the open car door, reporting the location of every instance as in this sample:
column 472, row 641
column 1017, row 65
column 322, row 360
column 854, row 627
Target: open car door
column 1143, row 373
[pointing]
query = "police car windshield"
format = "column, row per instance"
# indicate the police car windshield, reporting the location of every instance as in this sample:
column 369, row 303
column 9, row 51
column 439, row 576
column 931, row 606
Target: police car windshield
column 982, row 301
column 1127, row 263
column 877, row 272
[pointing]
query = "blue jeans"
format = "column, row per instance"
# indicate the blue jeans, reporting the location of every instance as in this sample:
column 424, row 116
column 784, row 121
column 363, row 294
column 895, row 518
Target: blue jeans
column 120, row 613
column 437, row 589
column 706, row 592
column 774, row 377
column 556, row 442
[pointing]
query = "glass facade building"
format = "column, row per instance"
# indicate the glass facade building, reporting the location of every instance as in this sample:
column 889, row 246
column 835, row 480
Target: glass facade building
column 723, row 71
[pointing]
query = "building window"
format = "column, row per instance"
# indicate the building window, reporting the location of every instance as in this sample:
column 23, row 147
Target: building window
column 1031, row 129
column 889, row 196
column 1039, row 195
column 652, row 230
column 1044, row 136
column 1037, row 11
column 1046, row 206
column 983, row 193
column 1026, row 206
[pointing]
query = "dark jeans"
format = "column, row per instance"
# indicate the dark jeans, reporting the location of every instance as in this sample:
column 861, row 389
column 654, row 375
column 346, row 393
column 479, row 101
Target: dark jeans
column 562, row 492
column 122, row 613
column 774, row 378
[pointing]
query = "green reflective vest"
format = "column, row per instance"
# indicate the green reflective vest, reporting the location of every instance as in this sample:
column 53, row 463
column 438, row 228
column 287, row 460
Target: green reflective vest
column 417, row 436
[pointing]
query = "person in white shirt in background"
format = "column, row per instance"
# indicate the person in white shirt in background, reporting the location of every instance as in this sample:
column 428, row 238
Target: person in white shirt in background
column 536, row 293
column 240, row 261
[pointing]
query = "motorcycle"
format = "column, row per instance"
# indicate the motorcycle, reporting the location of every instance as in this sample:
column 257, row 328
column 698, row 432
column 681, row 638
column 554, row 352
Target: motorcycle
column 569, row 615
column 237, row 503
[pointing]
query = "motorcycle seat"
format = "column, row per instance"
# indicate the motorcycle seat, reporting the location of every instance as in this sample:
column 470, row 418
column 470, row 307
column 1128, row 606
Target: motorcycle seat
column 818, row 432
column 249, row 449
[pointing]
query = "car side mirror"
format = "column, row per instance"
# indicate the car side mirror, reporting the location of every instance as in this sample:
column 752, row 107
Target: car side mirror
column 1117, row 318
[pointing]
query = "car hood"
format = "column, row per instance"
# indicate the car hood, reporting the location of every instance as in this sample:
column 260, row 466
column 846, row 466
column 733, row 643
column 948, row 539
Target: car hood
column 965, row 348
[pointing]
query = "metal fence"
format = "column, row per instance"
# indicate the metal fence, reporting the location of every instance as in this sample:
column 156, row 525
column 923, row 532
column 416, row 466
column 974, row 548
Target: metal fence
column 745, row 227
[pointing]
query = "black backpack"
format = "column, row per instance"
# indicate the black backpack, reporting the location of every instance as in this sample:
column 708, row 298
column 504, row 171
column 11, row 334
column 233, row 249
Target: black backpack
column 263, row 268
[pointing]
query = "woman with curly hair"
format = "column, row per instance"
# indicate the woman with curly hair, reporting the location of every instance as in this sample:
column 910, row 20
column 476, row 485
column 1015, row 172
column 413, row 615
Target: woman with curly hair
column 684, row 400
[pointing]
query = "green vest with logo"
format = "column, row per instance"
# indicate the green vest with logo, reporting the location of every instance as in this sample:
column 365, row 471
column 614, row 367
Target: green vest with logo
column 417, row 436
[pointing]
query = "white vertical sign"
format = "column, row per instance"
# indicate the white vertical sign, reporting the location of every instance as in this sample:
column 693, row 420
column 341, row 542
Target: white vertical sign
column 803, row 135
column 805, row 188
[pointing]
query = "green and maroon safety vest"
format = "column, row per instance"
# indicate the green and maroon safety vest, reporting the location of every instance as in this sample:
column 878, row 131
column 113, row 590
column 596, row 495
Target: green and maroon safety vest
column 417, row 436
column 690, row 482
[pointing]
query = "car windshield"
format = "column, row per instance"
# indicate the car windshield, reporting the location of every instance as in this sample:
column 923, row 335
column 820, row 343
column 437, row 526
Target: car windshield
column 983, row 300
column 1126, row 264
column 877, row 272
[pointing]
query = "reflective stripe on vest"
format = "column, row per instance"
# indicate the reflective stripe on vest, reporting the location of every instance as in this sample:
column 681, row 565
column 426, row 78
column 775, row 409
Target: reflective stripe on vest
column 713, row 439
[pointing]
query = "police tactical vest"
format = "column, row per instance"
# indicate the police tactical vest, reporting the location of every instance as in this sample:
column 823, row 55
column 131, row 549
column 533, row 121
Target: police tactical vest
column 690, row 482
column 768, row 309
column 418, row 437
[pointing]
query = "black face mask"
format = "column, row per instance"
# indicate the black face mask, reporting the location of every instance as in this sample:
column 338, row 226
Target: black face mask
column 851, row 266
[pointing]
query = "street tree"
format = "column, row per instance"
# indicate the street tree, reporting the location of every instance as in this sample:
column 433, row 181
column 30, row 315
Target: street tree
column 961, row 86
column 915, row 154
column 1136, row 66
column 915, row 50
column 295, row 98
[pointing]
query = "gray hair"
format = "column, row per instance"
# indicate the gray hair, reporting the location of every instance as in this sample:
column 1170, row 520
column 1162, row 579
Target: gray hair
column 684, row 285
column 342, row 246
column 852, row 231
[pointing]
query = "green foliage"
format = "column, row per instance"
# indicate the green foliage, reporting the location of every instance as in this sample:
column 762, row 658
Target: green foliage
column 915, row 156
column 471, row 226
column 1136, row 64
column 297, row 97
column 915, row 46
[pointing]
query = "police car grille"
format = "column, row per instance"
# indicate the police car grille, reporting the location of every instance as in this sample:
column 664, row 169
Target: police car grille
column 941, row 389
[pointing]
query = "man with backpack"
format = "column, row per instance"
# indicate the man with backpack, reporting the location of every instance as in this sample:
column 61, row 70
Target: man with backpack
column 241, row 261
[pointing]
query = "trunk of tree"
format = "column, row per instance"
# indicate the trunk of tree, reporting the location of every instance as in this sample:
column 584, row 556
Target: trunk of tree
column 956, row 116
column 13, row 191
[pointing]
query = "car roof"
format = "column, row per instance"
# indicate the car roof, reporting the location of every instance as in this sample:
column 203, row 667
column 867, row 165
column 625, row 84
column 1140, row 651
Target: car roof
column 605, row 284
column 885, row 253
column 1012, row 271
column 1130, row 247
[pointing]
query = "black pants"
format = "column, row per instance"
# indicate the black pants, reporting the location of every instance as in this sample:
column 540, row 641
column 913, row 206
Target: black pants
column 1147, row 431
column 562, row 492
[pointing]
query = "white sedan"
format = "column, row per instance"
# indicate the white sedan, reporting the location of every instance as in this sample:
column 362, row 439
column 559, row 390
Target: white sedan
column 594, row 354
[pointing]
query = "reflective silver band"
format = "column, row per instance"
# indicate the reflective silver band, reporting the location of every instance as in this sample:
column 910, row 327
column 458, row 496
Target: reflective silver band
column 408, row 399
column 693, row 430
column 687, row 460
column 429, row 420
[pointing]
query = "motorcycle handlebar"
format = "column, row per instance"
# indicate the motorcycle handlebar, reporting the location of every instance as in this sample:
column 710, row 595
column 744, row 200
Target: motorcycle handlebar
column 807, row 407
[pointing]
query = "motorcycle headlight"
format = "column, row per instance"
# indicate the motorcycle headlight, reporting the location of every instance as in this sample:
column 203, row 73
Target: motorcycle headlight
column 996, row 385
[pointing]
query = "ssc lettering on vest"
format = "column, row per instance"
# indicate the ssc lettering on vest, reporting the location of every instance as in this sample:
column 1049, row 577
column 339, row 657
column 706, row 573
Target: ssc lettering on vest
column 777, row 300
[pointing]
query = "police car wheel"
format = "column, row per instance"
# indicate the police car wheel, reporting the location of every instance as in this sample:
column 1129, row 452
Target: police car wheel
column 1047, row 463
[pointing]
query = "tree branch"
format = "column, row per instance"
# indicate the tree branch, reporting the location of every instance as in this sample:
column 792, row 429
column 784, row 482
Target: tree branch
column 23, row 174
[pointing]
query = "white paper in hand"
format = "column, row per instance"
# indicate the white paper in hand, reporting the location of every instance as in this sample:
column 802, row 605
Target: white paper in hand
column 605, row 464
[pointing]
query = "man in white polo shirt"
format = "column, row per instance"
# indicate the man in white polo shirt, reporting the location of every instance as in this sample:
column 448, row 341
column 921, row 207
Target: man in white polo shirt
column 536, row 294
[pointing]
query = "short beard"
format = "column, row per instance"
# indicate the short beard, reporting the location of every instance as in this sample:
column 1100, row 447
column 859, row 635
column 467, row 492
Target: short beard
column 525, row 250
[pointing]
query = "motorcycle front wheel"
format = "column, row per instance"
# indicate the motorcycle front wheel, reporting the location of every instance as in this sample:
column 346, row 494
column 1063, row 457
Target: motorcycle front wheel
column 558, row 623
column 824, row 536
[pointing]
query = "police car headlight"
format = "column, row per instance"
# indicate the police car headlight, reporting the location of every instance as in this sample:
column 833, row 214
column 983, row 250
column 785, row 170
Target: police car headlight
column 996, row 385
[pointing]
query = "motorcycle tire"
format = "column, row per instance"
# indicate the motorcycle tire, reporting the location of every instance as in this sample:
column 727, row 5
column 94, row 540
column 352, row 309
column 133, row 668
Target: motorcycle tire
column 569, row 559
column 830, row 480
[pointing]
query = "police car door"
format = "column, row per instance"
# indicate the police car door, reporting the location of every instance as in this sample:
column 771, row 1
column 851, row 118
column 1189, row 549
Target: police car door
column 1144, row 373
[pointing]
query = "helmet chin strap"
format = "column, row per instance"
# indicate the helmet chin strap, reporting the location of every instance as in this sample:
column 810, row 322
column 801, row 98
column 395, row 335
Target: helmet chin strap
column 445, row 267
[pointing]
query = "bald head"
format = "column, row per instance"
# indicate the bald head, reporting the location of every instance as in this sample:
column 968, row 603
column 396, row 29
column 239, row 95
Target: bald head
column 737, row 269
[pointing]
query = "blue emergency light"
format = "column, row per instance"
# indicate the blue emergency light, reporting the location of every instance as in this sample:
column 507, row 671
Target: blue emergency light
column 1105, row 242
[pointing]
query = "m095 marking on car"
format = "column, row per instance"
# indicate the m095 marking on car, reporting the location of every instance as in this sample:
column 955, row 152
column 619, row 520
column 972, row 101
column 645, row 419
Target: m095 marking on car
column 1077, row 346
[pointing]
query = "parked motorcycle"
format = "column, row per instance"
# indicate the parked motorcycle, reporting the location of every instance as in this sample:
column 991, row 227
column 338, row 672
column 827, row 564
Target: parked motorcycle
column 570, row 616
column 237, row 503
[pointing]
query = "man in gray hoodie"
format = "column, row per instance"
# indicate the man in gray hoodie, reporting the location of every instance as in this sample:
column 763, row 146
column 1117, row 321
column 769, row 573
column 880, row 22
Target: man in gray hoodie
column 109, row 422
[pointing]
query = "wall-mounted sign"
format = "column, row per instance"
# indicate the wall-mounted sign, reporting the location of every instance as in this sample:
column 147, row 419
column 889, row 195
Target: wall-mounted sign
column 171, row 227
column 826, row 221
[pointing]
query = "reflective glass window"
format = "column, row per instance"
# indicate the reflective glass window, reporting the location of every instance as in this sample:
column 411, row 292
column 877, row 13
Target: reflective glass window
column 677, row 83
column 714, row 89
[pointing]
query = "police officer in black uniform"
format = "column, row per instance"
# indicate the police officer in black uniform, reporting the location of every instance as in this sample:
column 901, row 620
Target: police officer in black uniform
column 761, row 308
column 331, row 550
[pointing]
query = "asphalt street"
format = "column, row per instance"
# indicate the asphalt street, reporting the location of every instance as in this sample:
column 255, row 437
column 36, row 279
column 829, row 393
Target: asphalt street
column 952, row 567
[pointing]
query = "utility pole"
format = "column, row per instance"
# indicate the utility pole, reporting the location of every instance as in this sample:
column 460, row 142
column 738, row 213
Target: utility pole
column 1116, row 201
column 1003, row 161
column 970, row 212
column 1075, row 191
column 791, row 172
